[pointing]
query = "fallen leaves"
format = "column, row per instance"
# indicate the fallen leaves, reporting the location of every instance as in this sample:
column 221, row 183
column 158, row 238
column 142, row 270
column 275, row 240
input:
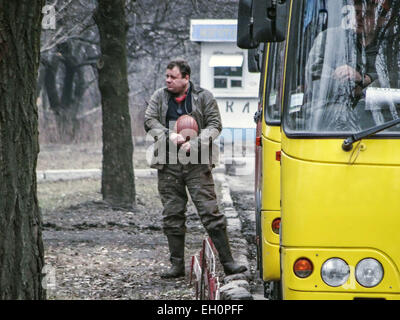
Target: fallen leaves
column 100, row 253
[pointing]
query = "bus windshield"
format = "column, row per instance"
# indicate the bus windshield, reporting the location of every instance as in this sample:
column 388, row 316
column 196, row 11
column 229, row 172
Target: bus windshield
column 344, row 70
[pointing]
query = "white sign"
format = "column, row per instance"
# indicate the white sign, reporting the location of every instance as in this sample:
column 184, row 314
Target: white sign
column 238, row 112
column 296, row 101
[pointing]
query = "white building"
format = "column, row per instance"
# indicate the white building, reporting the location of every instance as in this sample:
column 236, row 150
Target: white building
column 224, row 72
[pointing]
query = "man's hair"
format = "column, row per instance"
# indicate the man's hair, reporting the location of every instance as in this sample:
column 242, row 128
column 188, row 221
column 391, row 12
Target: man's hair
column 183, row 66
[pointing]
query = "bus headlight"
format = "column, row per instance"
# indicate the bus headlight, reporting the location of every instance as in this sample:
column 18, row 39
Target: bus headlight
column 335, row 272
column 369, row 272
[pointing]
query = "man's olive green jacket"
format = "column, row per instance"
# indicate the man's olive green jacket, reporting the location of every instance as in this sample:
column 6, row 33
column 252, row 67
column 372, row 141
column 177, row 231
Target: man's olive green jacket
column 204, row 109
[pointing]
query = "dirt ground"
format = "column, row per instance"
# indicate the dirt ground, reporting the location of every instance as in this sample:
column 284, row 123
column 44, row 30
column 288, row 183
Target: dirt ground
column 96, row 252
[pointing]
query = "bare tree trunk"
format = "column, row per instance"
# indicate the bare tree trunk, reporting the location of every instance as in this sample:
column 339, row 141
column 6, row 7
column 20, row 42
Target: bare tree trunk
column 118, row 184
column 21, row 248
column 50, row 83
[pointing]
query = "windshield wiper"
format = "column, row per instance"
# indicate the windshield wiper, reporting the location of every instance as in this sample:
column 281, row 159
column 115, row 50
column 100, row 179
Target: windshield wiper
column 348, row 142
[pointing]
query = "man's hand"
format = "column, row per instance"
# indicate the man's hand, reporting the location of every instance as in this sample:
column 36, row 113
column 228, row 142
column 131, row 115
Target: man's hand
column 346, row 72
column 186, row 147
column 176, row 138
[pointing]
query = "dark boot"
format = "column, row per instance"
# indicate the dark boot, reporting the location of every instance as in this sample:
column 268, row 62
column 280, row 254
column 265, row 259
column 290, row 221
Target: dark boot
column 176, row 245
column 221, row 243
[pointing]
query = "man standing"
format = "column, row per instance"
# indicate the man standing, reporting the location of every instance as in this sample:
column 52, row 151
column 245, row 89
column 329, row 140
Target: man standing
column 179, row 97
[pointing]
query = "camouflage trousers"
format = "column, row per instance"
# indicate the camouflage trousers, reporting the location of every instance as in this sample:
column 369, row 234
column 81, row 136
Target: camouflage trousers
column 173, row 180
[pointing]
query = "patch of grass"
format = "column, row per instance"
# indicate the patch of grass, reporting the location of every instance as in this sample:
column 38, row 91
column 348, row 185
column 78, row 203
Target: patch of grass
column 81, row 156
column 62, row 194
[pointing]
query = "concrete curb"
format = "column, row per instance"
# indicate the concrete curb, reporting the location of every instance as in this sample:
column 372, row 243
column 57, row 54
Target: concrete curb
column 236, row 286
column 76, row 174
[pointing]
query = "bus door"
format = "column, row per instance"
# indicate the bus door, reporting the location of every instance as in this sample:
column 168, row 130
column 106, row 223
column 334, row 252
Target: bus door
column 270, row 170
column 258, row 153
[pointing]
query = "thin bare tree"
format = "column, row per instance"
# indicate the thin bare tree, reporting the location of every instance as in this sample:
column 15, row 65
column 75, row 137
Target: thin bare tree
column 118, row 183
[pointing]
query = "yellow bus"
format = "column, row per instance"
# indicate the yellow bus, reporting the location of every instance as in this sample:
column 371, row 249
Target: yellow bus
column 341, row 152
column 340, row 141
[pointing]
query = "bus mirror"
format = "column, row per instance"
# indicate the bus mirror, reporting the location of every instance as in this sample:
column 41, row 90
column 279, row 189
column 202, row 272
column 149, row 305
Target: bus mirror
column 245, row 39
column 270, row 20
column 254, row 59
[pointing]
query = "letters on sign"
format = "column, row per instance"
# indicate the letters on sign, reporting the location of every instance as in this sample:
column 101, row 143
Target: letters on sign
column 229, row 105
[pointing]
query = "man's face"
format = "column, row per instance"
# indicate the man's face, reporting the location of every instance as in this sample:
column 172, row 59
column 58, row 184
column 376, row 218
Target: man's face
column 175, row 82
column 365, row 18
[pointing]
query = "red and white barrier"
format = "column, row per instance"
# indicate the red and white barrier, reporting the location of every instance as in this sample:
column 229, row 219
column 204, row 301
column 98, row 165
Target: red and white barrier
column 202, row 273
